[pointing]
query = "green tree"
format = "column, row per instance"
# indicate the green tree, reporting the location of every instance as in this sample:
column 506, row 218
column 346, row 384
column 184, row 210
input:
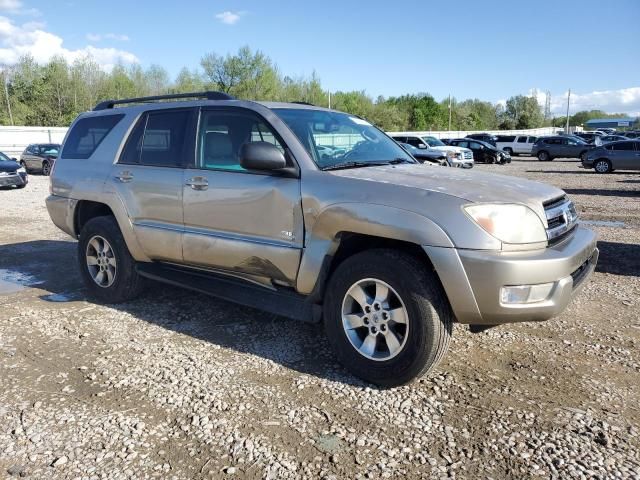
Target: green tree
column 522, row 112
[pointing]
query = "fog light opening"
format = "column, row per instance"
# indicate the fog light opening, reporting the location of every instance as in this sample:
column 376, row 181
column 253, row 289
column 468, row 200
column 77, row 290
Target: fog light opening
column 523, row 294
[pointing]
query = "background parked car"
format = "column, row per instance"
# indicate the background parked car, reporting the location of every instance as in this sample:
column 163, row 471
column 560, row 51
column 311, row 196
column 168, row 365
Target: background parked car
column 588, row 137
column 612, row 138
column 516, row 144
column 453, row 153
column 485, row 137
column 39, row 157
column 623, row 155
column 439, row 157
column 482, row 151
column 11, row 173
column 548, row 148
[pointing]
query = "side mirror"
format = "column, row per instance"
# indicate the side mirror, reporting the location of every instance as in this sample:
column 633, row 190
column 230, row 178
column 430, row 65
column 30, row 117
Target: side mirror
column 422, row 145
column 14, row 159
column 261, row 156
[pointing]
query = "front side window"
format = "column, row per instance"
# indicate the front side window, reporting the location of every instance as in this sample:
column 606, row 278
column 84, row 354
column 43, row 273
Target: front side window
column 158, row 139
column 87, row 134
column 223, row 132
column 354, row 141
column 475, row 146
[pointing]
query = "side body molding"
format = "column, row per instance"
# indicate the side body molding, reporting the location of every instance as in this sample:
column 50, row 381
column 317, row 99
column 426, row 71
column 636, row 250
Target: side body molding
column 322, row 233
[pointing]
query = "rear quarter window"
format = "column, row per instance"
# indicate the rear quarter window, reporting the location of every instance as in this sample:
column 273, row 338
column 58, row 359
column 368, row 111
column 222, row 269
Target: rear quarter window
column 87, row 134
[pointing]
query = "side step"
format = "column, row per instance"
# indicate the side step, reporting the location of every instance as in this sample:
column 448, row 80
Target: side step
column 278, row 302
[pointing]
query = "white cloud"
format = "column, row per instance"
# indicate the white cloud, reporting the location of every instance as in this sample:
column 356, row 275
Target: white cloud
column 624, row 100
column 229, row 18
column 16, row 7
column 32, row 39
column 10, row 5
column 97, row 37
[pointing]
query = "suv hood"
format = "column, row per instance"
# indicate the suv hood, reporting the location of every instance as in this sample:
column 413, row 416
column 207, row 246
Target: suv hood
column 469, row 185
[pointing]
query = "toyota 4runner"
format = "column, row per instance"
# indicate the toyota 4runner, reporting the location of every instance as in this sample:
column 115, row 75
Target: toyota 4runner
column 315, row 215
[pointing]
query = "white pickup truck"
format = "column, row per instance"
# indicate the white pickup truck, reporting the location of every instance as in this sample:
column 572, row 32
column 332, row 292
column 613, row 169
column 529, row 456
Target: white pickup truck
column 516, row 144
column 456, row 156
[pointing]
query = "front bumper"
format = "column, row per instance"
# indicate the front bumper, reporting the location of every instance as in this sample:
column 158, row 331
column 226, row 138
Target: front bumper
column 473, row 279
column 18, row 179
column 461, row 163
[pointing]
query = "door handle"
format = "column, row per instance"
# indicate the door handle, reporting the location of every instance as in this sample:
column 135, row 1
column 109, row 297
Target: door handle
column 125, row 176
column 198, row 183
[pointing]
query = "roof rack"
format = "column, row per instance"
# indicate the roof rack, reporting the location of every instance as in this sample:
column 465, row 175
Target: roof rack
column 304, row 103
column 206, row 95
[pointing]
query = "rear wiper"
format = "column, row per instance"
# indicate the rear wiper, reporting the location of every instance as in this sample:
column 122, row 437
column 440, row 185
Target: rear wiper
column 354, row 164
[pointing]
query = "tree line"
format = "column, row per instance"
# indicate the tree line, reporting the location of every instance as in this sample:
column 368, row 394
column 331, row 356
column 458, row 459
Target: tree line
column 53, row 94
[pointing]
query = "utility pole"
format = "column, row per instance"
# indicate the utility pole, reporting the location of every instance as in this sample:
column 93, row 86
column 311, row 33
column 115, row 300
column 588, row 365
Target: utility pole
column 449, row 112
column 6, row 94
column 329, row 100
column 568, row 100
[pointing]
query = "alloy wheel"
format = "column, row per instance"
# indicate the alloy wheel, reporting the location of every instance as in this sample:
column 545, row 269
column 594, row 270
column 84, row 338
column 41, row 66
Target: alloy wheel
column 375, row 319
column 101, row 261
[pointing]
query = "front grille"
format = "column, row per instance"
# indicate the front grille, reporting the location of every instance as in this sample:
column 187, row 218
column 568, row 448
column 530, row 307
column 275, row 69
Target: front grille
column 562, row 219
column 468, row 155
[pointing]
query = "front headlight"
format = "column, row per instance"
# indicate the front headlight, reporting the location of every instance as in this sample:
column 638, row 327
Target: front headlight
column 452, row 154
column 509, row 223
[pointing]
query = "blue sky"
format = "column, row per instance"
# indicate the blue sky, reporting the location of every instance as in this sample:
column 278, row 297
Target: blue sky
column 489, row 50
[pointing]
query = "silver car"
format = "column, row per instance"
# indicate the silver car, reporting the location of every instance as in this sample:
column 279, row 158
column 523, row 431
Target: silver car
column 235, row 199
column 624, row 155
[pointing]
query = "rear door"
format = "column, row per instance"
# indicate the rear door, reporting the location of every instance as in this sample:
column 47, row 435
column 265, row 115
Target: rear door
column 238, row 220
column 521, row 145
column 148, row 178
column 624, row 156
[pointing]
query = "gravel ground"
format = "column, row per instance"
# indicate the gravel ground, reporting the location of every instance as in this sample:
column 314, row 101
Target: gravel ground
column 179, row 385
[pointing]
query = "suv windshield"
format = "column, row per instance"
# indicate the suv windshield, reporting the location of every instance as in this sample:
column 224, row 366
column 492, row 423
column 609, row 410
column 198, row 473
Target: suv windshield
column 335, row 139
column 433, row 142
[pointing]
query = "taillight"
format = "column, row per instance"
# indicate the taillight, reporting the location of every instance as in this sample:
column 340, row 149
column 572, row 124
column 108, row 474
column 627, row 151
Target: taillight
column 53, row 169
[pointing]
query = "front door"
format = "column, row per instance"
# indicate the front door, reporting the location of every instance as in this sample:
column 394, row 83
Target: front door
column 237, row 220
column 148, row 178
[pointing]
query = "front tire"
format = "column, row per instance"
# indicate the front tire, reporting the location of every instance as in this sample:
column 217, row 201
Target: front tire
column 106, row 266
column 387, row 317
column 24, row 165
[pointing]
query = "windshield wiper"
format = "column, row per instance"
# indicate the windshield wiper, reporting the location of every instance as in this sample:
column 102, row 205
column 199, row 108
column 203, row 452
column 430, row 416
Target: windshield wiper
column 354, row 164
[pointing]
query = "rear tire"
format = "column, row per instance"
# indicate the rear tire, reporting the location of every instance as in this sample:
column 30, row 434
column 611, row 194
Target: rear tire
column 24, row 165
column 106, row 266
column 602, row 166
column 509, row 151
column 544, row 156
column 46, row 168
column 413, row 293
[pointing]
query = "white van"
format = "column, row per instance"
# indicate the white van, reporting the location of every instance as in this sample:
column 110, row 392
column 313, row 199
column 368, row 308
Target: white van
column 516, row 144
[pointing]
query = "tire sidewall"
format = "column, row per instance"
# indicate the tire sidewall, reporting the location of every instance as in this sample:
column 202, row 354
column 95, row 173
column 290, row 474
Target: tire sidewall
column 125, row 282
column 606, row 162
column 406, row 364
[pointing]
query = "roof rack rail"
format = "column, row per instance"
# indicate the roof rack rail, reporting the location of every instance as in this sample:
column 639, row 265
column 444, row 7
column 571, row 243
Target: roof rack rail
column 304, row 103
column 206, row 95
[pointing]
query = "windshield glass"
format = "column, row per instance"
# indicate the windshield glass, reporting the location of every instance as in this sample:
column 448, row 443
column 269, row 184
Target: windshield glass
column 333, row 138
column 433, row 142
column 4, row 158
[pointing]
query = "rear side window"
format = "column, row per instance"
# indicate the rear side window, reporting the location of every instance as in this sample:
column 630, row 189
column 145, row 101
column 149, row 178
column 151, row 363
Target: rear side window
column 87, row 134
column 158, row 139
column 623, row 146
column 522, row 139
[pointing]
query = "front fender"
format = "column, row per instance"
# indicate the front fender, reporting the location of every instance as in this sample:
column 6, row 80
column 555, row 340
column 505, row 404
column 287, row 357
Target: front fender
column 322, row 237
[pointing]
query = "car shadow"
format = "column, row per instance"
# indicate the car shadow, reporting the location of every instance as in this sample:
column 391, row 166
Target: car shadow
column 51, row 266
column 619, row 259
column 603, row 192
column 565, row 172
